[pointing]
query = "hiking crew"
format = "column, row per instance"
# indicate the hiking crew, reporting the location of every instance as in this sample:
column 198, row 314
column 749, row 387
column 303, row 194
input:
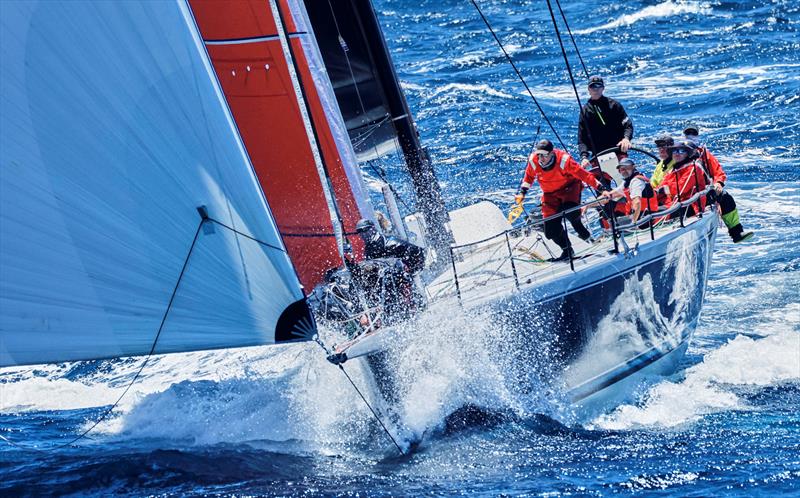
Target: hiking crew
column 727, row 205
column 685, row 179
column 561, row 180
column 603, row 124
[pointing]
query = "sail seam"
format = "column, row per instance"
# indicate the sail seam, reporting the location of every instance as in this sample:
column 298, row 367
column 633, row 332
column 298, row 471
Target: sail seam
column 252, row 39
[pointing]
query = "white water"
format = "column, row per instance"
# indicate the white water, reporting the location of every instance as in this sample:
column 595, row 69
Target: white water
column 711, row 385
column 663, row 10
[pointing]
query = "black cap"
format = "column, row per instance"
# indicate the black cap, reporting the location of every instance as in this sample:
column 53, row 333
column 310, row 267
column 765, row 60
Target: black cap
column 627, row 163
column 596, row 82
column 691, row 129
column 364, row 225
column 545, row 145
column 664, row 140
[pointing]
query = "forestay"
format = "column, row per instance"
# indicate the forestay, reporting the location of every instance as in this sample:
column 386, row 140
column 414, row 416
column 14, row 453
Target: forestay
column 114, row 132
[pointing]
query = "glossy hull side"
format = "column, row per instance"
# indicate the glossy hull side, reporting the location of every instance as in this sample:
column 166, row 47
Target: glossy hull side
column 596, row 334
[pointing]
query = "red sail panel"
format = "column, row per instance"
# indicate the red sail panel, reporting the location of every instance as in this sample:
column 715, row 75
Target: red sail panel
column 245, row 50
column 348, row 206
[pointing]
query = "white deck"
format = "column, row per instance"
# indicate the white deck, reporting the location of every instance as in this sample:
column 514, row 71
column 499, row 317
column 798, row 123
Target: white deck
column 486, row 272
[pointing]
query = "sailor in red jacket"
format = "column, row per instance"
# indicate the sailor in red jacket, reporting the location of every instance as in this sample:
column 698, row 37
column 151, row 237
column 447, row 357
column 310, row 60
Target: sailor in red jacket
column 686, row 178
column 727, row 206
column 561, row 180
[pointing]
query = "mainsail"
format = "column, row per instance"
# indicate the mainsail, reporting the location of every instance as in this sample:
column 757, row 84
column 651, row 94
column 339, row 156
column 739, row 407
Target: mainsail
column 129, row 210
column 280, row 96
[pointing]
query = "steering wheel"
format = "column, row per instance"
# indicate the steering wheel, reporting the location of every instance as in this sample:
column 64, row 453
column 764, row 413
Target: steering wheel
column 617, row 149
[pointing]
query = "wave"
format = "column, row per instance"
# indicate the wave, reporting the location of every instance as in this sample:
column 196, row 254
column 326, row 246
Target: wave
column 666, row 9
column 468, row 88
column 710, row 386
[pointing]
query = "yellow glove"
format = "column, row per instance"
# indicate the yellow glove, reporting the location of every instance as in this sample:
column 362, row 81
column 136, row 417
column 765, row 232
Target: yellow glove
column 517, row 210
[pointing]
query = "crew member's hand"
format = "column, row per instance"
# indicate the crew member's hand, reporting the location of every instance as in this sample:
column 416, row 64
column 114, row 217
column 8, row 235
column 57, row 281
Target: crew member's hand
column 584, row 163
column 718, row 187
column 624, row 145
column 606, row 194
column 519, row 198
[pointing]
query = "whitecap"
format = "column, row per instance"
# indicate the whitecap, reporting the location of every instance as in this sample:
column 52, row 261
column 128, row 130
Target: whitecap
column 666, row 9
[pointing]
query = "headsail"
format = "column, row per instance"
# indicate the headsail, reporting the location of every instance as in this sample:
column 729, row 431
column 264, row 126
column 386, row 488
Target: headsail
column 275, row 84
column 113, row 134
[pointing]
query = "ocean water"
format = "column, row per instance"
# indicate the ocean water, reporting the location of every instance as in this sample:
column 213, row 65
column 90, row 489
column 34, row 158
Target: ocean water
column 282, row 421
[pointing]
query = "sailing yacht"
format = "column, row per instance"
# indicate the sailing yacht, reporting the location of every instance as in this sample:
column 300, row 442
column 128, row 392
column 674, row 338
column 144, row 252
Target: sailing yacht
column 178, row 176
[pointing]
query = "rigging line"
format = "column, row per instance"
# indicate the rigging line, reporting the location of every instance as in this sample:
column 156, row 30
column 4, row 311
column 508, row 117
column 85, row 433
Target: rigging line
column 247, row 236
column 519, row 75
column 578, row 52
column 564, row 54
column 138, row 372
column 363, row 398
column 382, row 174
column 571, row 79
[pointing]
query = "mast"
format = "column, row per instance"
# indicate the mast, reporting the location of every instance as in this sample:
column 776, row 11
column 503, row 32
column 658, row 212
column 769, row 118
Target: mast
column 423, row 176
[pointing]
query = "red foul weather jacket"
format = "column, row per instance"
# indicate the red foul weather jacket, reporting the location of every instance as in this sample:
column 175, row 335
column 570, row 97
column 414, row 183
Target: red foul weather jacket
column 685, row 181
column 649, row 200
column 564, row 172
column 712, row 166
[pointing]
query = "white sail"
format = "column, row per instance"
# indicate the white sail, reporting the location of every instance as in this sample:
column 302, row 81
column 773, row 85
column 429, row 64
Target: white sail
column 113, row 133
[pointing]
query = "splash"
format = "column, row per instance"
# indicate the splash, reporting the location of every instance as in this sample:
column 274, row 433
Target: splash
column 666, row 9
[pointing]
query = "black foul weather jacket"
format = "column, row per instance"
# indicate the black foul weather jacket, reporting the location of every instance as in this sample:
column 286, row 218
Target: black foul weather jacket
column 603, row 123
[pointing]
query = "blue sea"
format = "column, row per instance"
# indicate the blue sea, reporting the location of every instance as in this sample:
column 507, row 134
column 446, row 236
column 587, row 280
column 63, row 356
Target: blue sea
column 282, row 421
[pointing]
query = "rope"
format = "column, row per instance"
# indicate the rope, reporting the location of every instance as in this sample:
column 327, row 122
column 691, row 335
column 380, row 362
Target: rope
column 519, row 75
column 363, row 398
column 564, row 54
column 378, row 170
column 138, row 372
column 578, row 52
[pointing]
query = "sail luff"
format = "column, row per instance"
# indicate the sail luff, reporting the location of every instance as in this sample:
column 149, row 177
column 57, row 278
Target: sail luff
column 313, row 139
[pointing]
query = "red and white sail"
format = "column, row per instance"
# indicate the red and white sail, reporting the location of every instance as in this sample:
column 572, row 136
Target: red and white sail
column 270, row 70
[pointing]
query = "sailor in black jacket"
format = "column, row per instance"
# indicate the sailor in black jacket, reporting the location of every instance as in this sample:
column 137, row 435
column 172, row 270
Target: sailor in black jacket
column 603, row 123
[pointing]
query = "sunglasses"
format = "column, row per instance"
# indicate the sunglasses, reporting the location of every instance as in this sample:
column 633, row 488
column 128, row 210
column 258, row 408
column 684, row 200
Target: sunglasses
column 680, row 151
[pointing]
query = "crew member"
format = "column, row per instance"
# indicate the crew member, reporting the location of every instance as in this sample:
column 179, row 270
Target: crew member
column 665, row 164
column 377, row 245
column 636, row 190
column 685, row 179
column 603, row 124
column 560, row 178
column 727, row 206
